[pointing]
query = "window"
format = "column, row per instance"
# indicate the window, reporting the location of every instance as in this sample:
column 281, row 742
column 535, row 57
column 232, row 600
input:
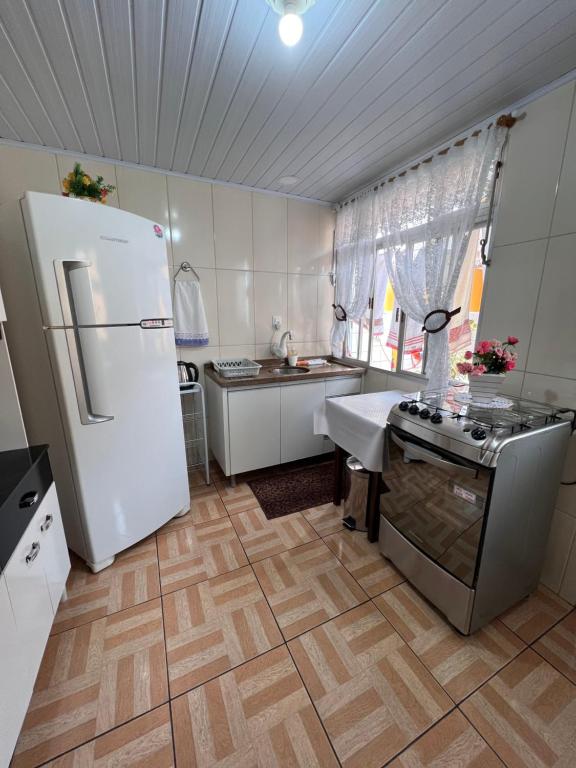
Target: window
column 397, row 343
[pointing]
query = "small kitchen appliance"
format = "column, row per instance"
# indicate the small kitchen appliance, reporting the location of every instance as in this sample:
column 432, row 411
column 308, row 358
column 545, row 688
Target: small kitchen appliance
column 187, row 373
column 470, row 492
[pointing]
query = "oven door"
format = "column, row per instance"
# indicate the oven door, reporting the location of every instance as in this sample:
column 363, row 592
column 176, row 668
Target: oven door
column 437, row 501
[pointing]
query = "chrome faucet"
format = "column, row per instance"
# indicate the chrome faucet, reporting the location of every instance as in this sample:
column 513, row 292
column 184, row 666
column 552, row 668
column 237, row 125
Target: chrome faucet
column 281, row 349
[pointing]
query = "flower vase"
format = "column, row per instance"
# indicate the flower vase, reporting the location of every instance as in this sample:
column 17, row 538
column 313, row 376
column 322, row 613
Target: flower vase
column 486, row 384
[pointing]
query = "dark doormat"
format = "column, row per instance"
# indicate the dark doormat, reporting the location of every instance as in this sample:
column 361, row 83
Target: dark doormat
column 293, row 490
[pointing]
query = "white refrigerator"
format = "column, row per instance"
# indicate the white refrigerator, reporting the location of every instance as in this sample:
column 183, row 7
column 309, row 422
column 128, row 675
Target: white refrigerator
column 95, row 364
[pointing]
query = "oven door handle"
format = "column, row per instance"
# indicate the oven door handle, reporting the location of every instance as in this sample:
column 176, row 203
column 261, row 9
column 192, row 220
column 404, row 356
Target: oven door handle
column 417, row 452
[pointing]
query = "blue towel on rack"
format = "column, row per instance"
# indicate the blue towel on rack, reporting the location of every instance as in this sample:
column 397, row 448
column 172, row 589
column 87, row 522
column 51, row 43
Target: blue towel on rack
column 190, row 324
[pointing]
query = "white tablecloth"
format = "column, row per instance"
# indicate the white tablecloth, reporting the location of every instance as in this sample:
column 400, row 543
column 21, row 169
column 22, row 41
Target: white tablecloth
column 357, row 422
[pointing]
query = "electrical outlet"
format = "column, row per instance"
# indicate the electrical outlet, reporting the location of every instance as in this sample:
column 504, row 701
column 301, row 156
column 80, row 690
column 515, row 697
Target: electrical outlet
column 276, row 322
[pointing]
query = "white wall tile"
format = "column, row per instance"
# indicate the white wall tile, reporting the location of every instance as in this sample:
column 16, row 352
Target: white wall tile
column 562, row 534
column 513, row 383
column 532, row 169
column 310, row 228
column 511, row 293
column 93, row 168
column 191, row 221
column 269, row 227
column 403, row 383
column 233, row 228
column 270, row 298
column 325, row 311
column 550, row 389
column 241, row 350
column 564, row 220
column 146, row 194
column 376, row 381
column 262, row 352
column 327, row 224
column 566, row 501
column 552, row 348
column 568, row 588
column 208, row 287
column 27, row 169
column 302, row 307
column 235, row 306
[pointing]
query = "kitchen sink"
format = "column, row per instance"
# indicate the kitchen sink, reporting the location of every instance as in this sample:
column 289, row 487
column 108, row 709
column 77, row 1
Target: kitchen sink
column 289, row 370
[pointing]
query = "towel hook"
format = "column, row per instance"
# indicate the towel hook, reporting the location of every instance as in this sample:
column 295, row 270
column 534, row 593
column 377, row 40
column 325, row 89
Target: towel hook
column 185, row 266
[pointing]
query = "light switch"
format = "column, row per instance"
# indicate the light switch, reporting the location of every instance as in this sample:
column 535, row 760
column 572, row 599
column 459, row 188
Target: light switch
column 276, row 322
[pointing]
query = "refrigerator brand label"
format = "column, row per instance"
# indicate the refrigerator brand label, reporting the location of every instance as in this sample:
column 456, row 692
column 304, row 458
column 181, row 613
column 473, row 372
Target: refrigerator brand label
column 158, row 230
column 464, row 494
column 157, row 323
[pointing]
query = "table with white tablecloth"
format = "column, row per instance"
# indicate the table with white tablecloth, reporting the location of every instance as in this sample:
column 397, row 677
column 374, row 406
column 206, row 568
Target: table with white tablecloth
column 356, row 424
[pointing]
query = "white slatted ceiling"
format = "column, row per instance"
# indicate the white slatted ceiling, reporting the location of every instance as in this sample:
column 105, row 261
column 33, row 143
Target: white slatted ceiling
column 206, row 87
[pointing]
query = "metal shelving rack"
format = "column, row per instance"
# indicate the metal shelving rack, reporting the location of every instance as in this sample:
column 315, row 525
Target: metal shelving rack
column 194, row 420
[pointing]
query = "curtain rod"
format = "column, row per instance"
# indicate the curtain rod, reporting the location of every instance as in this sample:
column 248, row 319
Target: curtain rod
column 504, row 121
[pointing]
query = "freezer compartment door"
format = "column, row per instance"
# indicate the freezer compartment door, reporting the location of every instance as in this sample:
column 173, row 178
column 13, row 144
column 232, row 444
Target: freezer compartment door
column 130, row 471
column 113, row 262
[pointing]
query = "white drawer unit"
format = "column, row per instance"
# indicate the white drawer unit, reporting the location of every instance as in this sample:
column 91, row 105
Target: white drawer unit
column 346, row 385
column 298, row 403
column 254, row 424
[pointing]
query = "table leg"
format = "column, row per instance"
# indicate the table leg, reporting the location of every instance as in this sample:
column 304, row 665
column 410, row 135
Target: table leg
column 338, row 474
column 373, row 506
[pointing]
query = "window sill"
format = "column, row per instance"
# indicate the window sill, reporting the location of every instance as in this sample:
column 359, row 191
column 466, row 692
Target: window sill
column 363, row 364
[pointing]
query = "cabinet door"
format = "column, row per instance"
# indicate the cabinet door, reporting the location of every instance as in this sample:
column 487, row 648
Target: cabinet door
column 13, row 703
column 54, row 552
column 254, row 424
column 299, row 401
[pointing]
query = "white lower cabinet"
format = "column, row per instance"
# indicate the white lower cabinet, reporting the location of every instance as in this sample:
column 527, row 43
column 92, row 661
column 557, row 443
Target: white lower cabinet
column 254, row 425
column 30, row 590
column 297, row 406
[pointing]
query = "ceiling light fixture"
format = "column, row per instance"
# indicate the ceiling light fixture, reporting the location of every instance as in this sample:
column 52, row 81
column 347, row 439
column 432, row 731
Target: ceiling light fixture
column 288, row 181
column 290, row 26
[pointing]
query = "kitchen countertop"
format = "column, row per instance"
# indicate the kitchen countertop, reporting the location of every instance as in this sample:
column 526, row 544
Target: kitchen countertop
column 328, row 371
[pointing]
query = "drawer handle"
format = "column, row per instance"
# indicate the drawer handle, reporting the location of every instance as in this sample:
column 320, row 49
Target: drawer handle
column 33, row 554
column 29, row 499
column 47, row 523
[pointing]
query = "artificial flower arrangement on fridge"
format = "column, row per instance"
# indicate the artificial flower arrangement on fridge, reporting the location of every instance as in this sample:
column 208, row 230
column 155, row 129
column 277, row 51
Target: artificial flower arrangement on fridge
column 488, row 365
column 79, row 184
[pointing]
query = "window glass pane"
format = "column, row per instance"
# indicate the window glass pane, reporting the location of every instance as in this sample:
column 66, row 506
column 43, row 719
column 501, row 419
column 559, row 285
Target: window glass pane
column 385, row 333
column 413, row 352
column 358, row 338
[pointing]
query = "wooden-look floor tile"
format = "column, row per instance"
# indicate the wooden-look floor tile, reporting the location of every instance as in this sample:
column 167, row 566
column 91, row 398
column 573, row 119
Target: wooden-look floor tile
column 527, row 713
column 205, row 505
column 145, row 742
column 325, row 519
column 306, row 586
column 197, row 553
column 373, row 572
column 237, row 499
column 258, row 715
column 196, row 478
column 93, row 678
column 132, row 579
column 373, row 695
column 536, row 614
column 558, row 646
column 262, row 538
column 459, row 663
column 452, row 743
column 214, row 626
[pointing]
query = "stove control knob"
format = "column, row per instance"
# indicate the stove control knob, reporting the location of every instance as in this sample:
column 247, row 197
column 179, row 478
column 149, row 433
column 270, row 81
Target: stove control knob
column 403, row 405
column 478, row 433
column 424, row 413
column 436, row 418
column 413, row 409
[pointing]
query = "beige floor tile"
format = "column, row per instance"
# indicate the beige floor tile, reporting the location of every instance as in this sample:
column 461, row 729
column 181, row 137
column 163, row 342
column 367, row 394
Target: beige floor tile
column 306, row 586
column 459, row 663
column 257, row 715
column 558, row 646
column 452, row 743
column 93, row 678
column 374, row 573
column 214, row 626
column 196, row 478
column 262, row 538
column 372, row 694
column 527, row 713
column 145, row 742
column 325, row 519
column 197, row 553
column 237, row 499
column 132, row 579
column 536, row 614
column 205, row 505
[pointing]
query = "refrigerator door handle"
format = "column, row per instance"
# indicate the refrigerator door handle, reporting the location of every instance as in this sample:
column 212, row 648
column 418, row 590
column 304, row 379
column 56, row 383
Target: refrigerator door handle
column 62, row 269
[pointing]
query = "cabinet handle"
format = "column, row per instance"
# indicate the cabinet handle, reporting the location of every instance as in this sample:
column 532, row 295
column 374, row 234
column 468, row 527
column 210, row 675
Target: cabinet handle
column 29, row 499
column 34, row 552
column 48, row 520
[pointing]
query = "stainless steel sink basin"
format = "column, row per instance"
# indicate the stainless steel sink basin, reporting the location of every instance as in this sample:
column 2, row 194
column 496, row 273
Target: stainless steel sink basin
column 289, row 370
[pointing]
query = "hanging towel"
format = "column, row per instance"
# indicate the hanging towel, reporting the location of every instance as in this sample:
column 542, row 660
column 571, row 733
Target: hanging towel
column 190, row 326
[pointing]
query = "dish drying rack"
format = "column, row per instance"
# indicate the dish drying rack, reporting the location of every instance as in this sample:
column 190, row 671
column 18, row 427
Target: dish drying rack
column 236, row 367
column 194, row 422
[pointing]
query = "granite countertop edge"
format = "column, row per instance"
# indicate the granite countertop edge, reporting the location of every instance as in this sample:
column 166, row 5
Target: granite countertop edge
column 333, row 369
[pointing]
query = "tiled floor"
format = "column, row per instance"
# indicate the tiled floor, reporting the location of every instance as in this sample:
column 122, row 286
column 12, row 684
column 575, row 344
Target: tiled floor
column 230, row 640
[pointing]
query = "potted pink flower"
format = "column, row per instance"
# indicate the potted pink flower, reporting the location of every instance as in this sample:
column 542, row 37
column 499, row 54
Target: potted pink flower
column 488, row 365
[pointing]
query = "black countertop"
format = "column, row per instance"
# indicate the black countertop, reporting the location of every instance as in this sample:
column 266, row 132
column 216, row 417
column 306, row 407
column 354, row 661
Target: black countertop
column 23, row 473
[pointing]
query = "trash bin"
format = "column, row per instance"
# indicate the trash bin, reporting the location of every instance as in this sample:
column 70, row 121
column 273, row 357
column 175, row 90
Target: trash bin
column 356, row 495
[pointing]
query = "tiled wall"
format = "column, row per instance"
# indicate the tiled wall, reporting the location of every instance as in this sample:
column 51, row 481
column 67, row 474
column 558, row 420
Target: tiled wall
column 531, row 288
column 257, row 255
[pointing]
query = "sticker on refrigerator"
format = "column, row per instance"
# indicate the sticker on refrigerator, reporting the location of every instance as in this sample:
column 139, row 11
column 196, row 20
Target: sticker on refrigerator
column 158, row 230
column 465, row 494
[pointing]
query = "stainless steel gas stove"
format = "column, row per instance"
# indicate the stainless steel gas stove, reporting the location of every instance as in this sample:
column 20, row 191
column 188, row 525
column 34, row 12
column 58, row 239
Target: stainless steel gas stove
column 469, row 496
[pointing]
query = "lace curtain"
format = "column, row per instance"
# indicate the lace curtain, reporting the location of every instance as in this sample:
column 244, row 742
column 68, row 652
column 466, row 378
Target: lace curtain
column 420, row 227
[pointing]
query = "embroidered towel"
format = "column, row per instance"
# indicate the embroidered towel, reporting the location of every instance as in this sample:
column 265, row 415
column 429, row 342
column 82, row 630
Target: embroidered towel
column 190, row 325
